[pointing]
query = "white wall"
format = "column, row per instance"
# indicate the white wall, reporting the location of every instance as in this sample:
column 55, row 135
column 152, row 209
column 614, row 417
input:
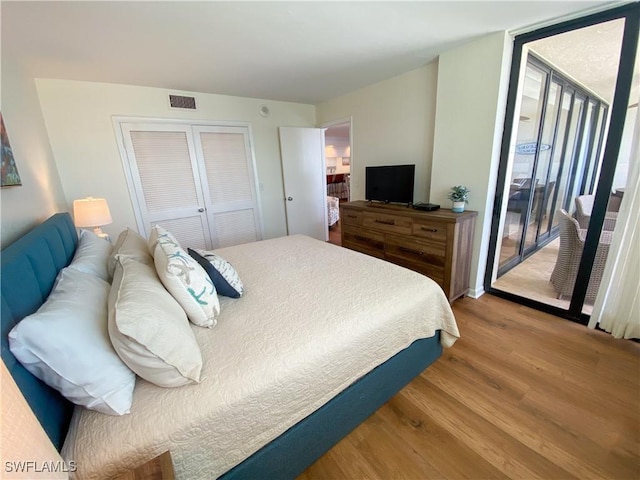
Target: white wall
column 623, row 167
column 41, row 194
column 471, row 101
column 78, row 116
column 393, row 124
column 337, row 148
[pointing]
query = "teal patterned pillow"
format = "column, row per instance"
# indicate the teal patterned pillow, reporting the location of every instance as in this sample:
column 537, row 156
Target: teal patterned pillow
column 185, row 279
column 224, row 276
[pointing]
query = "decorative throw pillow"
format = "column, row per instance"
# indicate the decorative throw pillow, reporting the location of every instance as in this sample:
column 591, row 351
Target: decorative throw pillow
column 153, row 238
column 185, row 279
column 91, row 255
column 224, row 276
column 129, row 243
column 66, row 345
column 148, row 328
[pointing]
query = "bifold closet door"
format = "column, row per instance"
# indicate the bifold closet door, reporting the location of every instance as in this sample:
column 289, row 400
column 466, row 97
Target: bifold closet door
column 166, row 181
column 197, row 181
column 225, row 161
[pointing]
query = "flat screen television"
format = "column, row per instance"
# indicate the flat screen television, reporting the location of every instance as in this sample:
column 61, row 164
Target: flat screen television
column 392, row 183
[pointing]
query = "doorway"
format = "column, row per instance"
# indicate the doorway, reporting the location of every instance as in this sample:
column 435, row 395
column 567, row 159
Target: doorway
column 337, row 139
column 563, row 167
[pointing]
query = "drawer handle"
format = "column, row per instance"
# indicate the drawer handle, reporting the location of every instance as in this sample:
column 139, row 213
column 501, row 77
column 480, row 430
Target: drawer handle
column 352, row 216
column 361, row 238
column 429, row 229
column 386, row 222
column 410, row 250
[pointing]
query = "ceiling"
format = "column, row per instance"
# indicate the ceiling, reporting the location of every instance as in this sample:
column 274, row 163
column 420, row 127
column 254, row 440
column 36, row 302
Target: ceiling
column 341, row 130
column 589, row 55
column 303, row 52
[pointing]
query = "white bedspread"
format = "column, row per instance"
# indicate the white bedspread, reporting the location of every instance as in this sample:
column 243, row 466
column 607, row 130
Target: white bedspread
column 299, row 336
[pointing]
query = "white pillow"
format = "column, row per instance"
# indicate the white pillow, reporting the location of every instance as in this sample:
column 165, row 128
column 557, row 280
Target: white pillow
column 91, row 255
column 129, row 243
column 185, row 279
column 66, row 345
column 153, row 238
column 148, row 328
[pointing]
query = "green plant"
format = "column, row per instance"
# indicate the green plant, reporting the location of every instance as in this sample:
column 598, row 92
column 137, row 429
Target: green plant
column 459, row 193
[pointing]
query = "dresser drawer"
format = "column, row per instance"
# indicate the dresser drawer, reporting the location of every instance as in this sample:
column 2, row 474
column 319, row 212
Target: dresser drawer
column 387, row 223
column 426, row 228
column 351, row 217
column 416, row 250
column 363, row 240
column 434, row 273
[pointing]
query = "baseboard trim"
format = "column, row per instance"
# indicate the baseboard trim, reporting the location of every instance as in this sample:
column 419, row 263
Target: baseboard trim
column 475, row 293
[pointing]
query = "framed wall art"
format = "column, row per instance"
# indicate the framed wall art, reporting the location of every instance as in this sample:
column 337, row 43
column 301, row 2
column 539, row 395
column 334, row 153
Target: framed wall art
column 9, row 173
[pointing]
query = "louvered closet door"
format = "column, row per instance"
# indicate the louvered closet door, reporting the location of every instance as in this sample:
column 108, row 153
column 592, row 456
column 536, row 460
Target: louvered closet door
column 166, row 180
column 229, row 186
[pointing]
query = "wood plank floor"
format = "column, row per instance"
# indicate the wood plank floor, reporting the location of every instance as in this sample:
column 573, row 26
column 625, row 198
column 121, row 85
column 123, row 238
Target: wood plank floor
column 334, row 233
column 521, row 395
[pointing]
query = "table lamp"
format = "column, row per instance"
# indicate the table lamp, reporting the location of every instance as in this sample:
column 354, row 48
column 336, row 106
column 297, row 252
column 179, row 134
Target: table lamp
column 92, row 212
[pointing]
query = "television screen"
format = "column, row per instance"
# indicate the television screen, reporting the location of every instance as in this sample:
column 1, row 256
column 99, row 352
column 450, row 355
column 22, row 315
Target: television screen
column 393, row 183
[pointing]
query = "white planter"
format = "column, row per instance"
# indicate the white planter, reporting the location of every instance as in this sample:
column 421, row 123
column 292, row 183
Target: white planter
column 458, row 207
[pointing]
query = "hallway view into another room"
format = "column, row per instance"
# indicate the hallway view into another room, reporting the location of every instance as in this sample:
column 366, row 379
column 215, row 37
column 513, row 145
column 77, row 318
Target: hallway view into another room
column 337, row 139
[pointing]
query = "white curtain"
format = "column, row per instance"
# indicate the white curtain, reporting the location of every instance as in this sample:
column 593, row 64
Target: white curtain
column 617, row 306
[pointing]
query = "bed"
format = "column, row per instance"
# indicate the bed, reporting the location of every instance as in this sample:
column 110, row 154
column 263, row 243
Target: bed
column 338, row 186
column 304, row 386
column 333, row 210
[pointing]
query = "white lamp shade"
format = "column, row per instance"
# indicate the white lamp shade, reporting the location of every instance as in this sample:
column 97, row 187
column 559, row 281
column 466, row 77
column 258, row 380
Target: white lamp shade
column 91, row 212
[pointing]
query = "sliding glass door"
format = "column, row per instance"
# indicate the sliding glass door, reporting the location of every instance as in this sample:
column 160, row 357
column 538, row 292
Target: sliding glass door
column 555, row 146
column 520, row 190
column 558, row 187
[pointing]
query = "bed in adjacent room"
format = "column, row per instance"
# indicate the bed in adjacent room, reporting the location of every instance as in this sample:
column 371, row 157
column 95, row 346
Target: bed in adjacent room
column 333, row 210
column 290, row 368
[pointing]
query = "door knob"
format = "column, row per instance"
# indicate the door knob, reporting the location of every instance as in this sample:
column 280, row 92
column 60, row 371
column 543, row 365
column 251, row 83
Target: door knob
column 290, row 199
column 201, row 210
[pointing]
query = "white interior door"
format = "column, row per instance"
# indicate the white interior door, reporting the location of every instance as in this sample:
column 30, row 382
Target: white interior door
column 166, row 181
column 229, row 184
column 305, row 181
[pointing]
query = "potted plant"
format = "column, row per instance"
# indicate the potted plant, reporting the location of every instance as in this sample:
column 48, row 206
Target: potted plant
column 459, row 195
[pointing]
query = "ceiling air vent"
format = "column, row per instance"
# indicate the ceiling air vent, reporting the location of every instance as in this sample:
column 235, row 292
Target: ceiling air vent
column 178, row 101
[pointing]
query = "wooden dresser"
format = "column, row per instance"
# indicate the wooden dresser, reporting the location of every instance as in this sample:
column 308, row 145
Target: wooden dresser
column 437, row 244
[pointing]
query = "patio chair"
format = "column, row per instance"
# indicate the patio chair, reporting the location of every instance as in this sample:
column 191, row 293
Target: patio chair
column 572, row 239
column 584, row 206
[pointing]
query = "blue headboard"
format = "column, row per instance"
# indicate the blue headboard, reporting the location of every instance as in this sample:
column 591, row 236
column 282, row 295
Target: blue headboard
column 29, row 268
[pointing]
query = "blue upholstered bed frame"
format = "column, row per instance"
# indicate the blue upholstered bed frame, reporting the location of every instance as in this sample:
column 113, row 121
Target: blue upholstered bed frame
column 29, row 268
column 28, row 271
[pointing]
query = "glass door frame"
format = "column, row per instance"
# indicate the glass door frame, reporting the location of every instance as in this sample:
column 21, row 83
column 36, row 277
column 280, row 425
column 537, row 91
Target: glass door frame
column 526, row 216
column 570, row 156
column 631, row 14
column 542, row 240
column 526, row 250
column 566, row 90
